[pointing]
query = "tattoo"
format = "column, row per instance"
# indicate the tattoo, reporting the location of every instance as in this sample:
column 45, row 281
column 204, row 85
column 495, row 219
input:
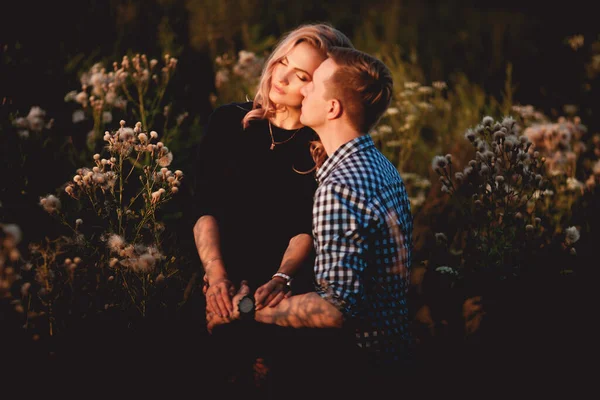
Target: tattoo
column 206, row 236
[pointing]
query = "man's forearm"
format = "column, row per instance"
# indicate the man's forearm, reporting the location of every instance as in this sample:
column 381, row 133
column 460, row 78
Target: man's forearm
column 298, row 250
column 307, row 310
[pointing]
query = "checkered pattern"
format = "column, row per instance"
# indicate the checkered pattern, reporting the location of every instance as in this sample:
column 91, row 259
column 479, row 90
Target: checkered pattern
column 362, row 226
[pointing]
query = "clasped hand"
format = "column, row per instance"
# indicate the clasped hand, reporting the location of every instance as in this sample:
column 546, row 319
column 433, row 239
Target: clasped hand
column 214, row 319
column 222, row 301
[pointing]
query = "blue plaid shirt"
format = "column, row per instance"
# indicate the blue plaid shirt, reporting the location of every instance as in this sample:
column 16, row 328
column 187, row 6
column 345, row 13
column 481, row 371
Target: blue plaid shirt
column 362, row 227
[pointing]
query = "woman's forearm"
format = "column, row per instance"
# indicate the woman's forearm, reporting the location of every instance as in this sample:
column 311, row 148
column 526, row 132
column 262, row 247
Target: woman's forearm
column 207, row 239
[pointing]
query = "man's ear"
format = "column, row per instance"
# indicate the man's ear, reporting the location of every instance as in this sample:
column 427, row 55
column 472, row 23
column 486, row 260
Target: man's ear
column 335, row 109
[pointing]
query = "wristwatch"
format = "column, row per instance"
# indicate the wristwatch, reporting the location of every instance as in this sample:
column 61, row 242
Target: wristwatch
column 247, row 307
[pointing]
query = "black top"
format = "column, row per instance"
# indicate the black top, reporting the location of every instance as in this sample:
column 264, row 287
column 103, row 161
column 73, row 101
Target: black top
column 258, row 199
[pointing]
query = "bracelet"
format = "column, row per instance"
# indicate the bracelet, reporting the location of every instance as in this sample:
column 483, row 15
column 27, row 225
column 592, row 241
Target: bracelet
column 287, row 278
column 211, row 260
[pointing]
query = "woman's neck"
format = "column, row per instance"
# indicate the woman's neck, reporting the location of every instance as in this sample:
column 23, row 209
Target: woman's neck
column 287, row 118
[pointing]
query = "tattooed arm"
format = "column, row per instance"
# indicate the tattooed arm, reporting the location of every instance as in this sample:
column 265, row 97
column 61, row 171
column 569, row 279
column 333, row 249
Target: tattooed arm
column 220, row 290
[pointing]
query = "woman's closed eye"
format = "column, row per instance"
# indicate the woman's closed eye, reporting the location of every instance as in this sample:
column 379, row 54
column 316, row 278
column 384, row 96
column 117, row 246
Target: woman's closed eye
column 302, row 78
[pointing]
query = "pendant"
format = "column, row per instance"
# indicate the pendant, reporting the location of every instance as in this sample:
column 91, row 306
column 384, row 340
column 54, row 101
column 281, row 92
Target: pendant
column 272, row 146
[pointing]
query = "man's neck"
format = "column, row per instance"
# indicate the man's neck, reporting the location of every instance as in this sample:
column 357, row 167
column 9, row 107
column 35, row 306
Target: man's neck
column 333, row 136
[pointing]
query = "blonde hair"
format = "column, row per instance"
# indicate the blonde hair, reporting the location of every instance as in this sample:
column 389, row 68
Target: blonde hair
column 321, row 36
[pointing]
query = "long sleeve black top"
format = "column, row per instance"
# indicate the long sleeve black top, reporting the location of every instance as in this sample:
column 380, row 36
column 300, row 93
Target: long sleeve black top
column 257, row 198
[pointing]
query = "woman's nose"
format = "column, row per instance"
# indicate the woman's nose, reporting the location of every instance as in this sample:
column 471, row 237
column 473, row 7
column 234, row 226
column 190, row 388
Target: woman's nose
column 281, row 77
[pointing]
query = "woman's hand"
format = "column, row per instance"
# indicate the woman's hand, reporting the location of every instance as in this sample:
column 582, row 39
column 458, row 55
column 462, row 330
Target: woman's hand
column 218, row 297
column 213, row 319
column 271, row 293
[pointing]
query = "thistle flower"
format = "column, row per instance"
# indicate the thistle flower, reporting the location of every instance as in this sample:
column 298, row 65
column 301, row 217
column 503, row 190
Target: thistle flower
column 487, row 121
column 165, row 160
column 439, row 163
column 439, row 85
column 78, row 116
column 115, row 243
column 126, row 134
column 50, row 203
column 571, row 235
column 470, row 135
column 13, row 234
column 383, row 129
column 145, row 264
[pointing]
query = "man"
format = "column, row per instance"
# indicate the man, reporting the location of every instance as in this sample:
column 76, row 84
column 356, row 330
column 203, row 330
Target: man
column 362, row 223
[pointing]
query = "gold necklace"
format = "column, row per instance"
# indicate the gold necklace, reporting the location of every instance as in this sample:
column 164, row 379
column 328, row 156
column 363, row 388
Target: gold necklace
column 273, row 142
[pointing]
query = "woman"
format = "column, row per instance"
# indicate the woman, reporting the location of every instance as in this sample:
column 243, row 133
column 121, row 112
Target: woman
column 255, row 188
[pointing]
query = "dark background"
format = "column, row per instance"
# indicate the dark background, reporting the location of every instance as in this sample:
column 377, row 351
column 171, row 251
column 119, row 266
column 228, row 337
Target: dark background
column 47, row 41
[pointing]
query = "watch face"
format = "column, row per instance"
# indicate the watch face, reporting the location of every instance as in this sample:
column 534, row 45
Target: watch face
column 246, row 305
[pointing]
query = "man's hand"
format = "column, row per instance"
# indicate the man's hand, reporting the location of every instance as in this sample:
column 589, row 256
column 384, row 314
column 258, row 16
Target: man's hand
column 213, row 319
column 271, row 293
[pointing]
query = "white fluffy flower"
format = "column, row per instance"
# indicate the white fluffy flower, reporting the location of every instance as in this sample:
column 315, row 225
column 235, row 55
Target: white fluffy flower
column 116, row 243
column 50, row 203
column 571, row 235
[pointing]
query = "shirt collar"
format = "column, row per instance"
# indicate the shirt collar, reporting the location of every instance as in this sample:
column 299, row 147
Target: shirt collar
column 357, row 144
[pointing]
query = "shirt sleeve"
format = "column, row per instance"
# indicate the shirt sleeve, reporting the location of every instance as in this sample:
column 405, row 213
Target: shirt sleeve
column 340, row 223
column 210, row 164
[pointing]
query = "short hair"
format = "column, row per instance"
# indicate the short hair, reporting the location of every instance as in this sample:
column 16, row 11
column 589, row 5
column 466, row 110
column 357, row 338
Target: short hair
column 363, row 84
